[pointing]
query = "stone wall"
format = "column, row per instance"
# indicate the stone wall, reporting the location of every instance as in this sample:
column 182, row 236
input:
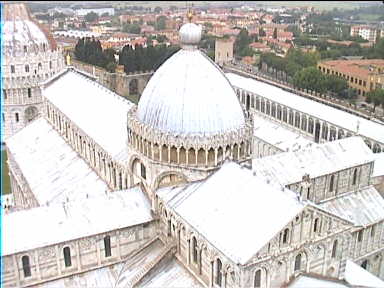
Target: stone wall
column 47, row 263
column 126, row 85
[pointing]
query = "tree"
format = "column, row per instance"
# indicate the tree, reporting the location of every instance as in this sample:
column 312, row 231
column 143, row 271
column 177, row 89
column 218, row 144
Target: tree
column 376, row 97
column 91, row 17
column 336, row 85
column 158, row 10
column 242, row 41
column 132, row 28
column 310, row 78
column 275, row 33
column 160, row 23
column 262, row 32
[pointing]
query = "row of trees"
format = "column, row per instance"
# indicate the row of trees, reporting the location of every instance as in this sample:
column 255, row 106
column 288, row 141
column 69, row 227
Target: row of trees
column 376, row 97
column 145, row 59
column 90, row 51
column 312, row 79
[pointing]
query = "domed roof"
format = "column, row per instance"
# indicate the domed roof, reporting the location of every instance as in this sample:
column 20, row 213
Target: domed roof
column 19, row 31
column 189, row 94
column 17, row 34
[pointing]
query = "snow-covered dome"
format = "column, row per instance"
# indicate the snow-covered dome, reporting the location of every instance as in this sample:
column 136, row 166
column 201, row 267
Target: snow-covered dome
column 189, row 94
column 21, row 36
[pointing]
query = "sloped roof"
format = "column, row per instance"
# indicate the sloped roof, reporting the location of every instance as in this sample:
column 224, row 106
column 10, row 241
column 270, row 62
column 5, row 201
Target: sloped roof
column 362, row 208
column 332, row 115
column 96, row 110
column 316, row 160
column 53, row 171
column 357, row 276
column 279, row 136
column 225, row 207
column 73, row 220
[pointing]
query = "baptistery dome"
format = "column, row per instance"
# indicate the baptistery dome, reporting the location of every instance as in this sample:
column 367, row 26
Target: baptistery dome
column 22, row 36
column 189, row 95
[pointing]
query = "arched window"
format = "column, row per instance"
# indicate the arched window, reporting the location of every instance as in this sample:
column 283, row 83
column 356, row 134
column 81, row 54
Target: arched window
column 17, row 117
column 334, row 249
column 194, row 249
column 40, row 66
column 331, row 183
column 12, row 69
column 257, row 281
column 143, row 171
column 360, row 236
column 107, row 246
column 50, row 64
column 26, row 266
column 354, row 177
column 298, row 262
column 285, row 236
column 26, row 68
column 29, row 93
column 316, row 225
column 219, row 266
column 67, row 256
column 291, row 117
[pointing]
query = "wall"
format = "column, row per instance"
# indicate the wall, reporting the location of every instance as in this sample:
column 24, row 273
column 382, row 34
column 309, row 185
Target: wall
column 47, row 263
column 120, row 83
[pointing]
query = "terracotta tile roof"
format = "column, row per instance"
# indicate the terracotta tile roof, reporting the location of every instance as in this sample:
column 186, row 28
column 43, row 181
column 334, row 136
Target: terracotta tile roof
column 354, row 67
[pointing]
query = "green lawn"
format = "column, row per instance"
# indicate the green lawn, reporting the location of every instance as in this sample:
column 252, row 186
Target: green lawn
column 6, row 186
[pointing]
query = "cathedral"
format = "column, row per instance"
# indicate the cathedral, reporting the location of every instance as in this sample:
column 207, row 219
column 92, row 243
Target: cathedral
column 212, row 180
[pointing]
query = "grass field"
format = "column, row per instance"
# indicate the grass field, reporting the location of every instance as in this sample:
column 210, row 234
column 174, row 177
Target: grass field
column 5, row 184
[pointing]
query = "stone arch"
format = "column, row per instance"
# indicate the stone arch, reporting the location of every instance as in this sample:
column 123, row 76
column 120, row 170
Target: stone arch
column 156, row 151
column 211, row 156
column 173, row 154
column 133, row 87
column 369, row 144
column 376, row 148
column 340, row 134
column 182, row 156
column 260, row 276
column 201, row 156
column 170, row 178
column 191, row 156
column 235, row 152
column 30, row 113
column 220, row 155
column 164, row 153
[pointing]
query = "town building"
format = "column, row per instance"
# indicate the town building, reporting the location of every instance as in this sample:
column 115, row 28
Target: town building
column 363, row 75
column 365, row 32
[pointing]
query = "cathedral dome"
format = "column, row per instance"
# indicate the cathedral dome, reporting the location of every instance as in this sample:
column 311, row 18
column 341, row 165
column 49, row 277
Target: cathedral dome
column 23, row 36
column 189, row 95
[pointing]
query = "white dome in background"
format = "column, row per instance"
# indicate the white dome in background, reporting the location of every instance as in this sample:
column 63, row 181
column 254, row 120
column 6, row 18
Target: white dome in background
column 189, row 94
column 190, row 34
column 19, row 34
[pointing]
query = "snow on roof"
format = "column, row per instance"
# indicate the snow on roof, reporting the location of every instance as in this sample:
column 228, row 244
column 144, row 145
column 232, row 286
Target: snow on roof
column 226, row 204
column 316, row 160
column 279, row 136
column 332, row 115
column 96, row 110
column 306, row 281
column 357, row 276
column 363, row 207
column 378, row 169
column 172, row 275
column 27, row 229
column 53, row 171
